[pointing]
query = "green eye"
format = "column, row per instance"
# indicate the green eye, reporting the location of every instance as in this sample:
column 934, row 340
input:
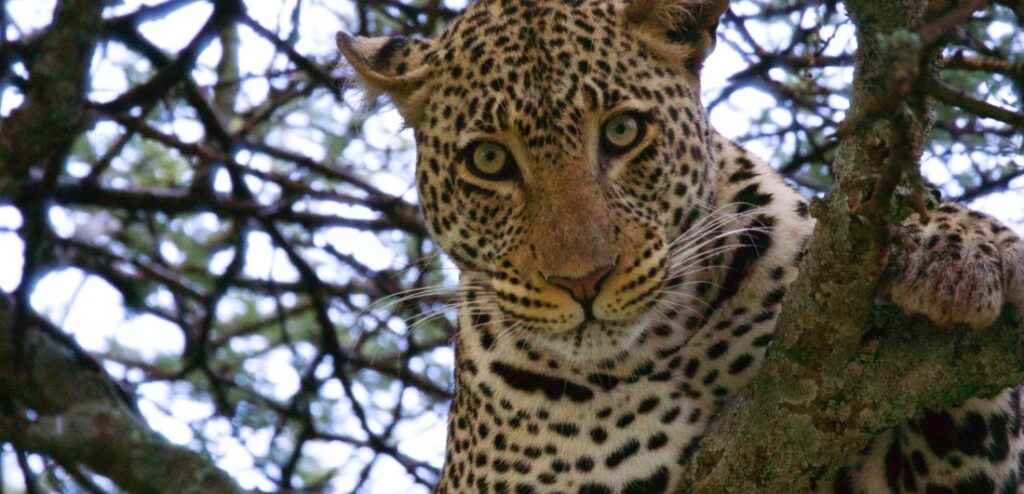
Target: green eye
column 622, row 131
column 490, row 160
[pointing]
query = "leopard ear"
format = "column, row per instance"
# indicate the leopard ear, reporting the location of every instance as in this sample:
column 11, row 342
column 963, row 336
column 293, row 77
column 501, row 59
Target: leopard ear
column 678, row 30
column 395, row 66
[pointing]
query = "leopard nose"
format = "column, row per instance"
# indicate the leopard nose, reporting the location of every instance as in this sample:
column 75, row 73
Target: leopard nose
column 584, row 288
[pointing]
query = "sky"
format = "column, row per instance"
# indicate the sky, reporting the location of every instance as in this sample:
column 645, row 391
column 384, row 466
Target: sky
column 92, row 311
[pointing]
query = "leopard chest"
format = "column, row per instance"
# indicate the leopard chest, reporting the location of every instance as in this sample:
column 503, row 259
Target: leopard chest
column 516, row 428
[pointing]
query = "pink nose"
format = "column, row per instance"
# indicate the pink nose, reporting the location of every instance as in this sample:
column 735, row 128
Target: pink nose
column 584, row 288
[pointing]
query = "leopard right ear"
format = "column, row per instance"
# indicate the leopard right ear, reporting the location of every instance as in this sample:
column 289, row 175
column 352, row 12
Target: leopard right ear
column 678, row 30
column 395, row 66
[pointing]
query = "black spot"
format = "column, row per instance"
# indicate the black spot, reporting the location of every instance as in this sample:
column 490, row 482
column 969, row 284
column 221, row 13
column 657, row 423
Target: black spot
column 647, row 405
column 585, row 464
column 383, row 57
column 741, row 176
column 670, row 415
column 1010, row 484
column 764, row 316
column 955, row 461
column 999, row 449
column 752, row 245
column 604, row 381
column 525, row 489
column 565, row 429
column 655, row 484
column 976, row 484
column 500, row 465
column 710, row 377
column 774, row 297
column 898, row 467
column 920, row 464
column 763, row 340
column 593, row 488
column 486, row 339
column 742, row 330
column 688, row 451
column 656, row 441
column 971, row 434
column 843, row 483
column 802, row 210
column 622, row 453
column 560, row 465
column 741, row 363
column 625, row 420
column 718, row 349
column 937, row 429
column 691, row 368
column 553, row 388
column 751, row 197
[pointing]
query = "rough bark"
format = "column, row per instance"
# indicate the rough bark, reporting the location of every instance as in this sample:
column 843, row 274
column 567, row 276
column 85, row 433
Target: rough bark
column 844, row 366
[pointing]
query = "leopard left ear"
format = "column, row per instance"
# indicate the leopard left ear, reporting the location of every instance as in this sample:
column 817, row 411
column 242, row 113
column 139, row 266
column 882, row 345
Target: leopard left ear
column 396, row 66
column 678, row 30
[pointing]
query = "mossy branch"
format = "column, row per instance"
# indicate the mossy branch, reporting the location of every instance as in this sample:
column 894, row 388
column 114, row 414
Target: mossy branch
column 59, row 403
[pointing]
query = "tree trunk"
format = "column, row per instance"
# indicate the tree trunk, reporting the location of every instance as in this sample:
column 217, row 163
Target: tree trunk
column 844, row 367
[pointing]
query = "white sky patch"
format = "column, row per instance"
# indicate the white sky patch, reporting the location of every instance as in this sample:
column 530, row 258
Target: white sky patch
column 170, row 426
column 11, row 248
column 236, row 457
column 150, row 336
column 391, row 475
column 278, row 368
column 89, row 307
column 935, row 171
column 174, row 31
column 189, row 131
column 382, row 130
column 27, row 16
column 10, row 99
column 220, row 261
column 108, row 80
column 364, row 246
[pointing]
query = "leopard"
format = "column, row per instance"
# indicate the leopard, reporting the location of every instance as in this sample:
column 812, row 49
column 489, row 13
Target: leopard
column 623, row 264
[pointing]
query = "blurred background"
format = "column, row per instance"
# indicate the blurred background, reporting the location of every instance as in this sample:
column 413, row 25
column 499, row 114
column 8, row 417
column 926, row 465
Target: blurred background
column 228, row 228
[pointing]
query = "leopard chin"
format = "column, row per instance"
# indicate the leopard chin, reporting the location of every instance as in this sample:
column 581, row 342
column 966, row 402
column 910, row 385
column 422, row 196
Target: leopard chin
column 597, row 341
column 594, row 340
column 585, row 337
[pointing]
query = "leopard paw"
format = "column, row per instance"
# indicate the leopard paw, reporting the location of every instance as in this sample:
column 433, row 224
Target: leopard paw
column 959, row 266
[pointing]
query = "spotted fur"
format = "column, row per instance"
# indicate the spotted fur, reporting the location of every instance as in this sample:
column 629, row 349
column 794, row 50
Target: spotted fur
column 615, row 298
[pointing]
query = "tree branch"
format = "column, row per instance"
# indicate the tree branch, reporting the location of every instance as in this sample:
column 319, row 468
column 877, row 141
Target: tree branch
column 60, row 403
column 953, row 96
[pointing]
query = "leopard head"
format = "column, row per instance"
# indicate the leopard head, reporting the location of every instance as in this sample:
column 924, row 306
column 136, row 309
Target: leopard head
column 562, row 149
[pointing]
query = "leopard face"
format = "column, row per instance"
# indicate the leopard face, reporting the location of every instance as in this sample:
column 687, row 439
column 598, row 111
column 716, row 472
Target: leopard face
column 562, row 151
